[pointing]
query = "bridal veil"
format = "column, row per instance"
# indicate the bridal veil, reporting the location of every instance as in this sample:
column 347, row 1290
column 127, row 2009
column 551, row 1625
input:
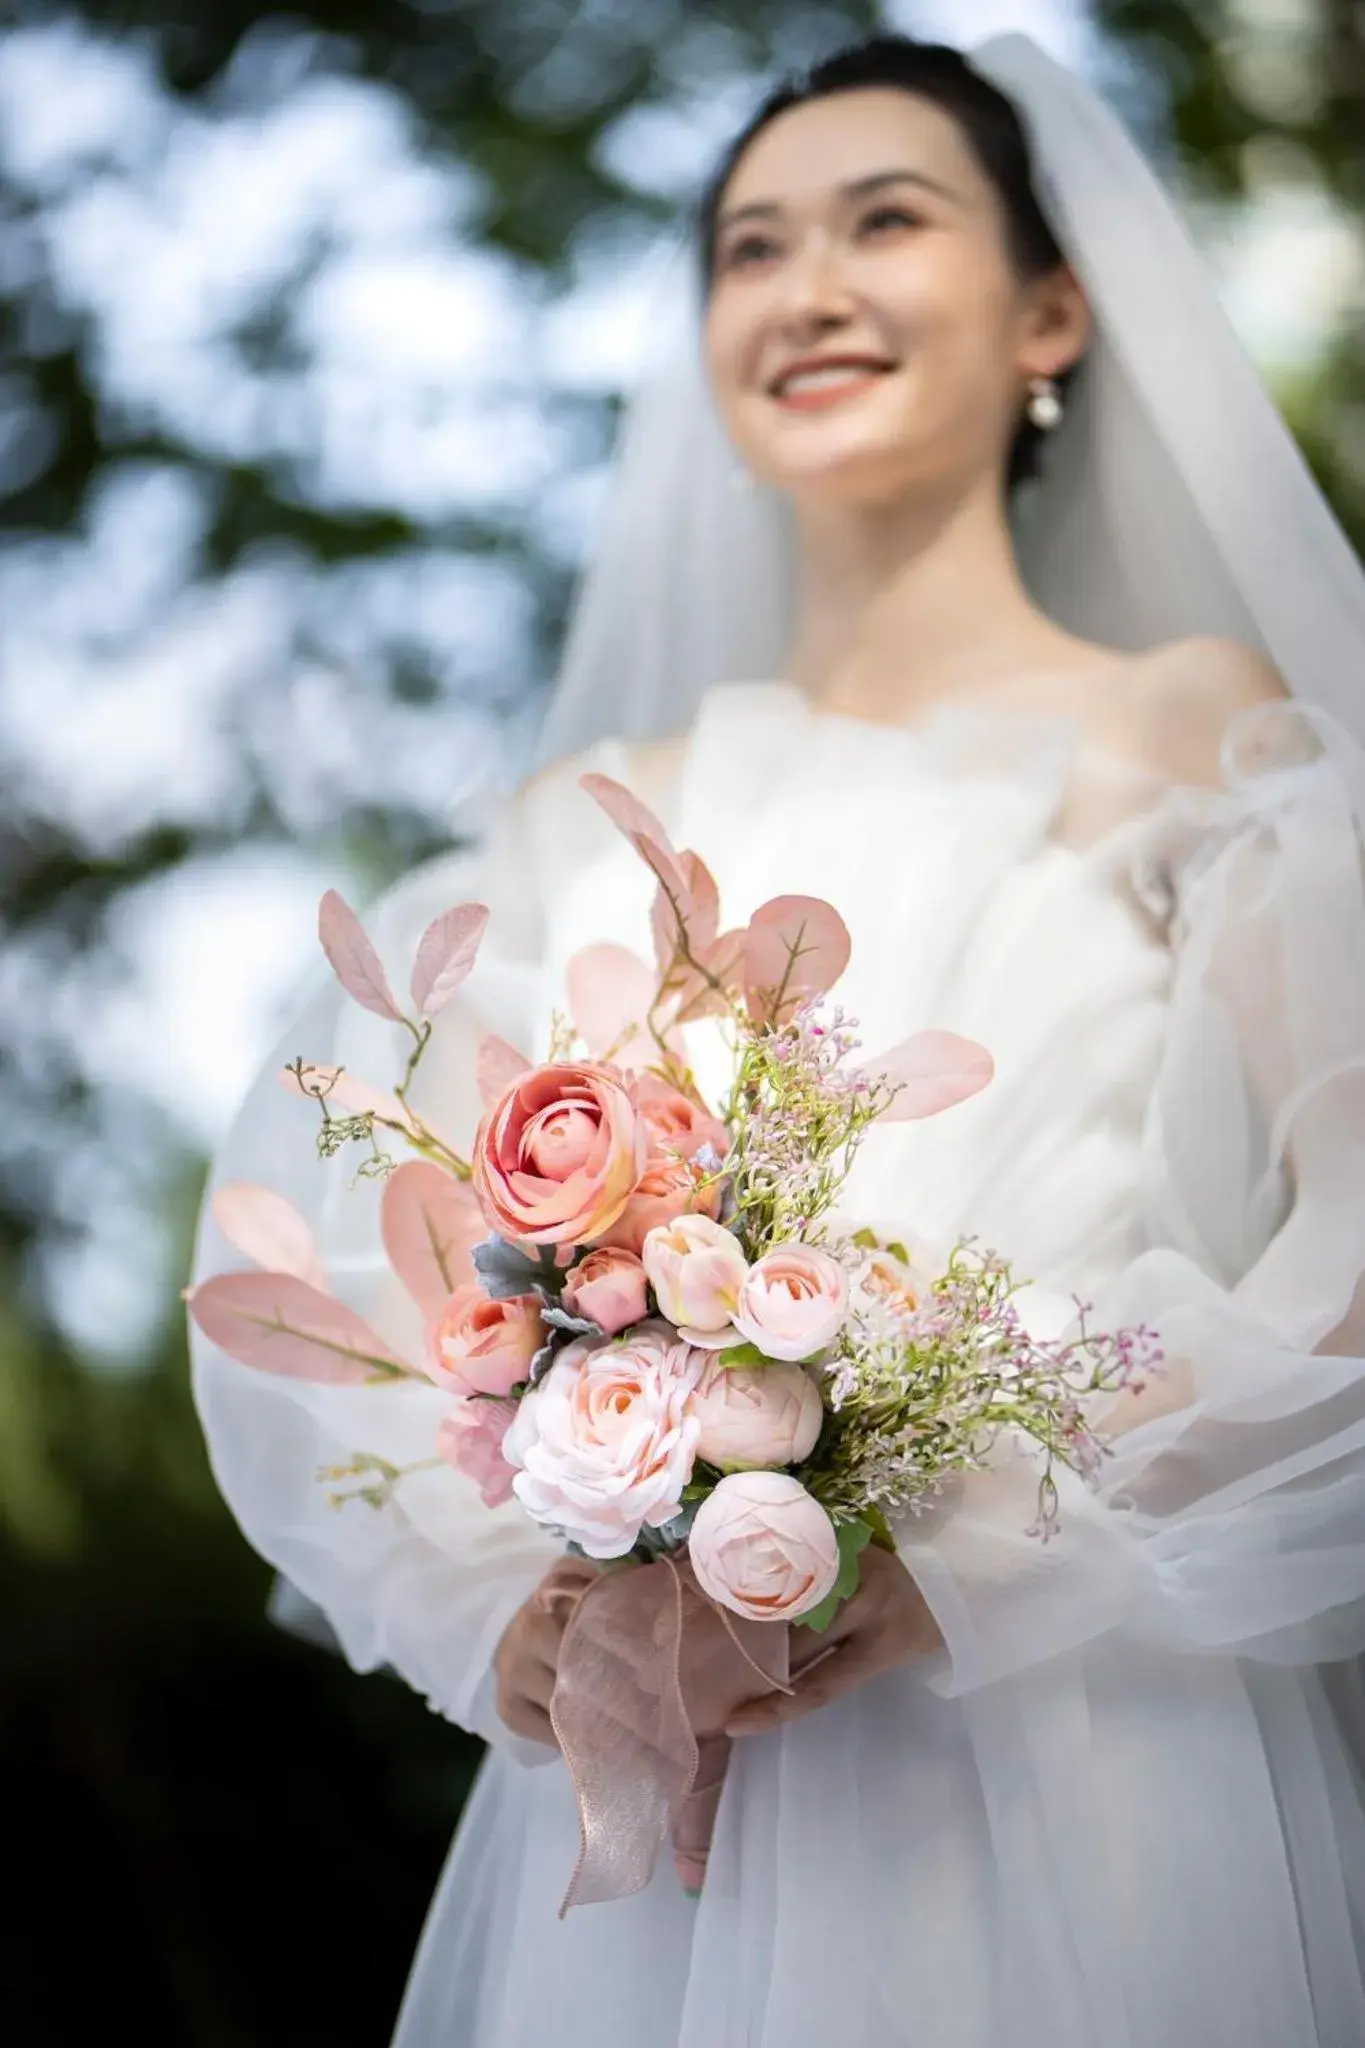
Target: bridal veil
column 1229, row 1533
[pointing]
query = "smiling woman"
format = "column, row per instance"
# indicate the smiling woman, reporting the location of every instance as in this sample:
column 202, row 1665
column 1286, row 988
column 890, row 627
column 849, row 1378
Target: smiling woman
column 884, row 275
column 927, row 167
column 1020, row 1796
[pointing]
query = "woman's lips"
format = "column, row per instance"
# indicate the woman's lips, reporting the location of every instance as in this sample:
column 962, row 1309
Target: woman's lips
column 819, row 390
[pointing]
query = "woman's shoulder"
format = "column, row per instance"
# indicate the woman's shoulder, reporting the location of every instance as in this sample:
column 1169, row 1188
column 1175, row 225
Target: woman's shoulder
column 1184, row 695
column 650, row 768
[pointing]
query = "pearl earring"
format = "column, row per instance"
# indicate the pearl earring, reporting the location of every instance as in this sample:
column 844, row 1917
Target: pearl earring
column 1044, row 406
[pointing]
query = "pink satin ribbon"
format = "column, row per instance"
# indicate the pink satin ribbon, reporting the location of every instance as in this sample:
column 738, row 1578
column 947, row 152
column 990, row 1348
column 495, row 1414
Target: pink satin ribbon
column 642, row 1726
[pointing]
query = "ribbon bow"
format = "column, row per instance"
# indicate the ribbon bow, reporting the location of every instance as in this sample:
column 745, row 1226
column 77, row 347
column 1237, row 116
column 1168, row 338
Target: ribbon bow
column 641, row 1725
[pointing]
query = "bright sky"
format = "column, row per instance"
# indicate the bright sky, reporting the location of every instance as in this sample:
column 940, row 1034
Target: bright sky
column 135, row 688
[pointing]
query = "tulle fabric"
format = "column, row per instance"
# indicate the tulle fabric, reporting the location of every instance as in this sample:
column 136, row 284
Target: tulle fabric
column 1119, row 1805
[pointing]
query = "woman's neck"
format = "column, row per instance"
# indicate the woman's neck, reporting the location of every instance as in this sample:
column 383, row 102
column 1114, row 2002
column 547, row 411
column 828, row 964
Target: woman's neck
column 906, row 604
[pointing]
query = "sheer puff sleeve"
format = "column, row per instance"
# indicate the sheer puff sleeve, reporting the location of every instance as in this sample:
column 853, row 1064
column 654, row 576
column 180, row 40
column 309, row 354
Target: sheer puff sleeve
column 1230, row 1518
column 427, row 1585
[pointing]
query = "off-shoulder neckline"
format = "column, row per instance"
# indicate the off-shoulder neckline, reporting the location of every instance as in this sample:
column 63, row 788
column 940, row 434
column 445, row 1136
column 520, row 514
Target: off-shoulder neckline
column 959, row 720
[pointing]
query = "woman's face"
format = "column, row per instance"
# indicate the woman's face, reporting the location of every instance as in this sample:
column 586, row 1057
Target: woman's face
column 867, row 333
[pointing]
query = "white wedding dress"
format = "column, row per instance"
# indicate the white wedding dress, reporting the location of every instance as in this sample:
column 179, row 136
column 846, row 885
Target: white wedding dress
column 1118, row 1809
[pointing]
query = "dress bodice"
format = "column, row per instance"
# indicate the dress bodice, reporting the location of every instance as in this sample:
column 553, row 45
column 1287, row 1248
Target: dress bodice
column 939, row 847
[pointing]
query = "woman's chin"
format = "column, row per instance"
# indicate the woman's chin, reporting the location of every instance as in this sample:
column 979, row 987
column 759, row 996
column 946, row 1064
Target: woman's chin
column 850, row 479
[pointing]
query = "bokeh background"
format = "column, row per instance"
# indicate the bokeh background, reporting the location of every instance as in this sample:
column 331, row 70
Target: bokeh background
column 312, row 328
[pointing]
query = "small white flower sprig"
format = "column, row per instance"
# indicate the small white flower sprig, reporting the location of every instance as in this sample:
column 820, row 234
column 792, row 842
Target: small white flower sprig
column 928, row 1373
column 800, row 1113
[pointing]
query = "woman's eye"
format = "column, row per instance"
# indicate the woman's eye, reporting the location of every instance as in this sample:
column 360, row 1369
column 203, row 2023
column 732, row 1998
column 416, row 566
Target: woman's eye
column 882, row 219
column 748, row 250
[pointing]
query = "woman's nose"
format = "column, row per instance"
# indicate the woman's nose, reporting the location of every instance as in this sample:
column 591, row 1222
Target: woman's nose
column 816, row 290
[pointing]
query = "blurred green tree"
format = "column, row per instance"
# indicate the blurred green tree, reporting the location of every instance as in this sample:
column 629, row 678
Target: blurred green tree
column 237, row 1812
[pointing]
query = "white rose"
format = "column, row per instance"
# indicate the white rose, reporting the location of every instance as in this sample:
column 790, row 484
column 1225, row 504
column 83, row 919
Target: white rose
column 764, row 1547
column 606, row 1443
column 793, row 1302
column 757, row 1415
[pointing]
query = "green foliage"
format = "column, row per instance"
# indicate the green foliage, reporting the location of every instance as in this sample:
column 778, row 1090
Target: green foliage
column 743, row 1354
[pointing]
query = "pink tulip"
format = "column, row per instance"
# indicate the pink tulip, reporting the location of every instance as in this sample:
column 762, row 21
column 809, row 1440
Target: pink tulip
column 697, row 1269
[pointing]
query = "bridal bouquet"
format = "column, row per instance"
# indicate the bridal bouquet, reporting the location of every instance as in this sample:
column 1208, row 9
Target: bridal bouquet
column 658, row 1332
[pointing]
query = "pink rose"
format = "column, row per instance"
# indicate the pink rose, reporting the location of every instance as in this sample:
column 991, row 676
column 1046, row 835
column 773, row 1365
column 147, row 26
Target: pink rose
column 678, row 1127
column 608, row 1286
column 478, row 1346
column 696, row 1268
column 756, row 1415
column 792, row 1302
column 606, row 1442
column 470, row 1439
column 764, row 1547
column 557, row 1157
column 667, row 1188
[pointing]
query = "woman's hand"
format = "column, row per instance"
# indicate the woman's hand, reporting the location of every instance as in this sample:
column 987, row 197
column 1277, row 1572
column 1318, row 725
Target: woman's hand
column 884, row 1624
column 526, row 1660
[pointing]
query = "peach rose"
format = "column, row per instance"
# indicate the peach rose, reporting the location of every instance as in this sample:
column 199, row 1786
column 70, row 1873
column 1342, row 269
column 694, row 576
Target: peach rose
column 764, row 1547
column 470, row 1439
column 903, row 1285
column 696, row 1268
column 608, row 1286
column 667, row 1188
column 557, row 1157
column 606, row 1442
column 756, row 1415
column 678, row 1127
column 792, row 1302
column 478, row 1346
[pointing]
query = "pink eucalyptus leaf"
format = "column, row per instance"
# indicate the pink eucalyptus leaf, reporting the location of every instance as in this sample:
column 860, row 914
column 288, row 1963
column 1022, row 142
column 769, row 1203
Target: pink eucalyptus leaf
column 346, row 1094
column 498, row 1066
column 702, row 916
column 354, row 961
column 277, row 1323
column 796, row 947
column 642, row 829
column 430, row 1223
column 724, row 960
column 930, row 1072
column 268, row 1229
column 447, row 951
column 611, row 992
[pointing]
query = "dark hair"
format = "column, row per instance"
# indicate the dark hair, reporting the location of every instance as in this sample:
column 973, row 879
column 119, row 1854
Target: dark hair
column 986, row 117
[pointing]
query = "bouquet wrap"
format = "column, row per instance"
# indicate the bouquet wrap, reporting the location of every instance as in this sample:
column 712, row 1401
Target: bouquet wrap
column 641, row 1724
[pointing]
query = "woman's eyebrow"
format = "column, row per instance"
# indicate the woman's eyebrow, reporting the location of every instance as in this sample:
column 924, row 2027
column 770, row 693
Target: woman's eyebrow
column 857, row 188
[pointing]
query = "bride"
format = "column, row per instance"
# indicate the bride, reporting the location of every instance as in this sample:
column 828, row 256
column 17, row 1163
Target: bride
column 1051, row 649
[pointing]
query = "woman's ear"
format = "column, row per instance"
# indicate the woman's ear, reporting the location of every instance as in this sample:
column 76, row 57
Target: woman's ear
column 1057, row 324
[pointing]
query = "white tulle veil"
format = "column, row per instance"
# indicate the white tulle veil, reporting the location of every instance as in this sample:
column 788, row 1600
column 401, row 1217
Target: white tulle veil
column 1174, row 501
